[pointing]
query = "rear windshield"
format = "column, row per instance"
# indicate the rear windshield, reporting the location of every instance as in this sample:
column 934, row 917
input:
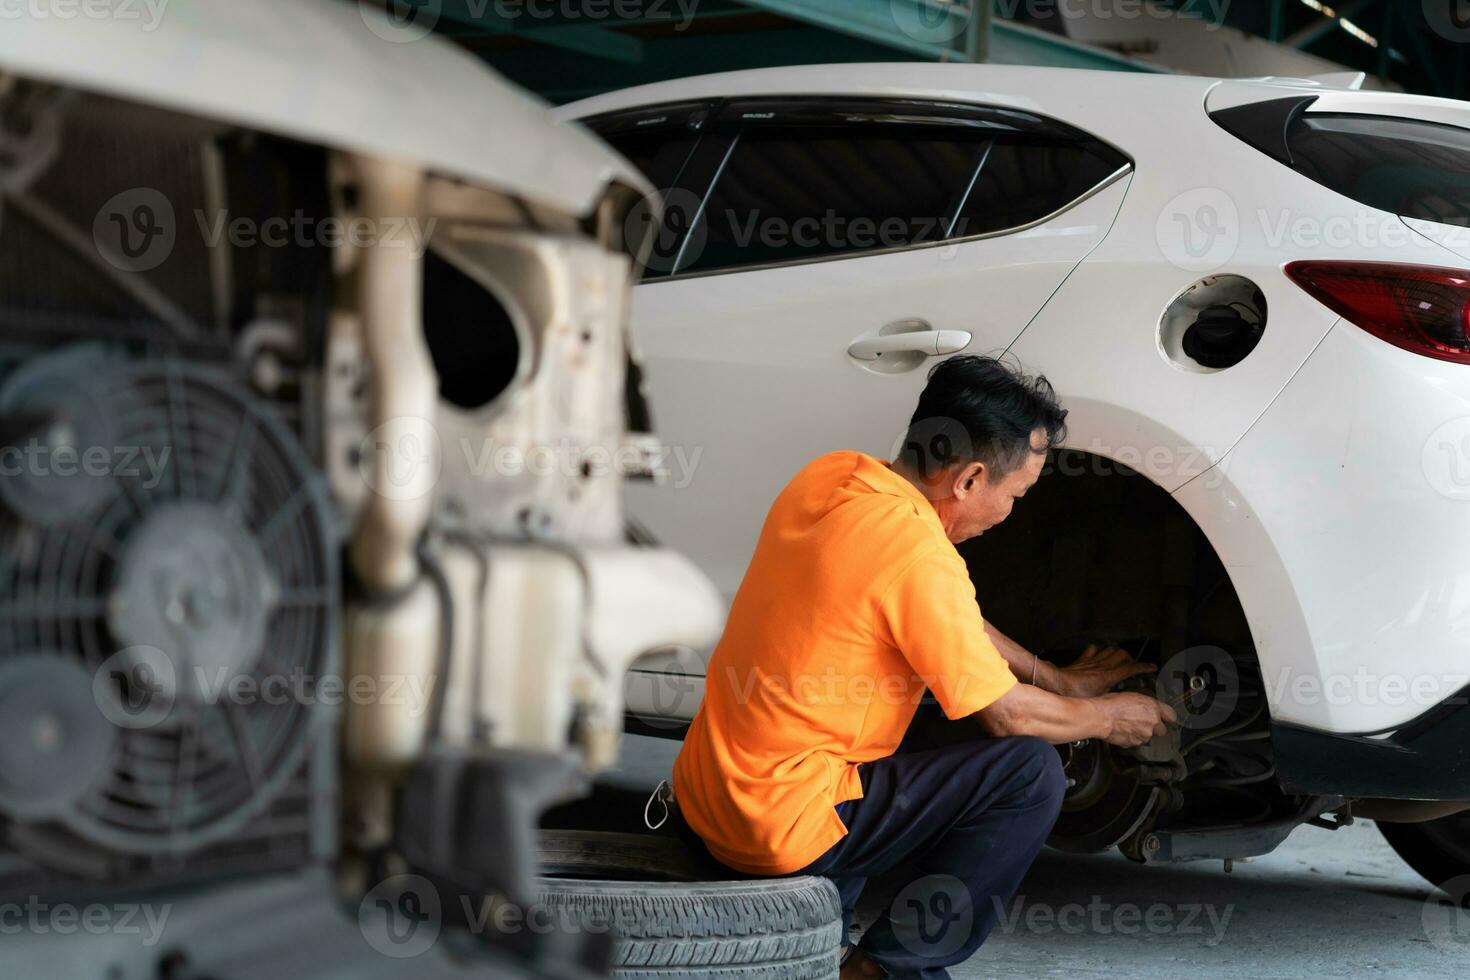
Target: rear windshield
column 1412, row 168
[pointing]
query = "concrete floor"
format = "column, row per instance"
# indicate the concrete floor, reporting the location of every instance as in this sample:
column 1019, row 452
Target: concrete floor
column 1325, row 904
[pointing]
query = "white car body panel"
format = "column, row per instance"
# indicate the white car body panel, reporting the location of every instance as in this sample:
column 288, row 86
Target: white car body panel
column 327, row 73
column 1305, row 464
column 1343, row 517
column 1455, row 238
column 768, row 347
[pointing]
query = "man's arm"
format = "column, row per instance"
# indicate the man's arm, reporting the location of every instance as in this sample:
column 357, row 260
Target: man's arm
column 1097, row 671
column 1122, row 719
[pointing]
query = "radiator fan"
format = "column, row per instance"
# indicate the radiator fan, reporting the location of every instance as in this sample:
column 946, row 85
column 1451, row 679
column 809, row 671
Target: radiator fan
column 167, row 604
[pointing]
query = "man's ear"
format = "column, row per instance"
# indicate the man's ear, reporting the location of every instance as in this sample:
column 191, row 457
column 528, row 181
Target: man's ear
column 969, row 478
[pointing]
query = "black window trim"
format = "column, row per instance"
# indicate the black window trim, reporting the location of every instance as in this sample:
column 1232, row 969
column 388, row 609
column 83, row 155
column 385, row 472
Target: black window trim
column 727, row 116
column 1266, row 126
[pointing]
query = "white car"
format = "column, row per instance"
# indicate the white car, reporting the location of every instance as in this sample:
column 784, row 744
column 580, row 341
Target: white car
column 1251, row 295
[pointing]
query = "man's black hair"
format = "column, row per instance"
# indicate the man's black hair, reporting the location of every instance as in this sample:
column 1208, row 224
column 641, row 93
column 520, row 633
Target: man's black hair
column 977, row 409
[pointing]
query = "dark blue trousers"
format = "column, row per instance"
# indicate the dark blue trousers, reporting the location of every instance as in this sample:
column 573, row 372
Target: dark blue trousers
column 966, row 821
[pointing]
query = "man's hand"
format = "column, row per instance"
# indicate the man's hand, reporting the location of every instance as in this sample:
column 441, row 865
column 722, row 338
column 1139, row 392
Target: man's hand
column 1098, row 671
column 1124, row 719
column 1135, row 718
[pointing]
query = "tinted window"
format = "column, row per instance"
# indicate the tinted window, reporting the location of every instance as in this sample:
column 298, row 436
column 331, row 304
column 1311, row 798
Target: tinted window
column 1024, row 182
column 785, row 195
column 787, row 179
column 1412, row 168
column 793, row 195
column 659, row 153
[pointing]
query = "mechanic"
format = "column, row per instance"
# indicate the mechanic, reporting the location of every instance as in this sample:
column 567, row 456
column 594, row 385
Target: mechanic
column 854, row 603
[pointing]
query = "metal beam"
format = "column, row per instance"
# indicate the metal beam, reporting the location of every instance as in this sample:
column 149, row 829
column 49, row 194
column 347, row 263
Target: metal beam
column 977, row 33
column 1427, row 59
column 1325, row 25
column 582, row 36
column 926, row 28
column 1016, row 44
column 940, row 30
column 562, row 76
column 770, row 33
column 1385, row 42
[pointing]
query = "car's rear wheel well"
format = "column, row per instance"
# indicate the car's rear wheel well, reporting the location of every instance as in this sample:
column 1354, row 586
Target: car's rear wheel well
column 1097, row 551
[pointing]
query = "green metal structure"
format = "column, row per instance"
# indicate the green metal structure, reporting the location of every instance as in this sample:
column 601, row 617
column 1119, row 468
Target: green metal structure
column 569, row 49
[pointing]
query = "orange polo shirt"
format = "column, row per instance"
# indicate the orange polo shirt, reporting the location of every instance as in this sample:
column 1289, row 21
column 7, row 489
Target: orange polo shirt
column 854, row 603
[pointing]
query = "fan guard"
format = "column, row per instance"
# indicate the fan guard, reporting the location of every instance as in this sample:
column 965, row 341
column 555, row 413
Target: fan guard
column 206, row 564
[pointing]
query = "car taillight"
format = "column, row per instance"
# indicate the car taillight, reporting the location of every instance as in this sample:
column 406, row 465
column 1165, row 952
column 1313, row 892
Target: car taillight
column 1419, row 308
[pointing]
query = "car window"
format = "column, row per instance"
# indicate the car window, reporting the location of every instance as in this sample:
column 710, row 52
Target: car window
column 1405, row 166
column 1023, row 182
column 786, row 195
column 658, row 153
column 788, row 179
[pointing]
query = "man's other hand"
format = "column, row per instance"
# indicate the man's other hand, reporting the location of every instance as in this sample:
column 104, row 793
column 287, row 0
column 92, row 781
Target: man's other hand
column 1136, row 718
column 1098, row 671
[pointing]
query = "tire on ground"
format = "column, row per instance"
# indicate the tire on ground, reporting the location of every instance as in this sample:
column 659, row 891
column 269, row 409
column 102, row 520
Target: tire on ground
column 763, row 929
column 1438, row 849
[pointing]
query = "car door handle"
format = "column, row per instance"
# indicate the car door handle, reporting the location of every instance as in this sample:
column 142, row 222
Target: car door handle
column 922, row 341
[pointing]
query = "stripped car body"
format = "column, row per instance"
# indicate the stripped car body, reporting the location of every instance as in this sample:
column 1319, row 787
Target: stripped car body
column 343, row 225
